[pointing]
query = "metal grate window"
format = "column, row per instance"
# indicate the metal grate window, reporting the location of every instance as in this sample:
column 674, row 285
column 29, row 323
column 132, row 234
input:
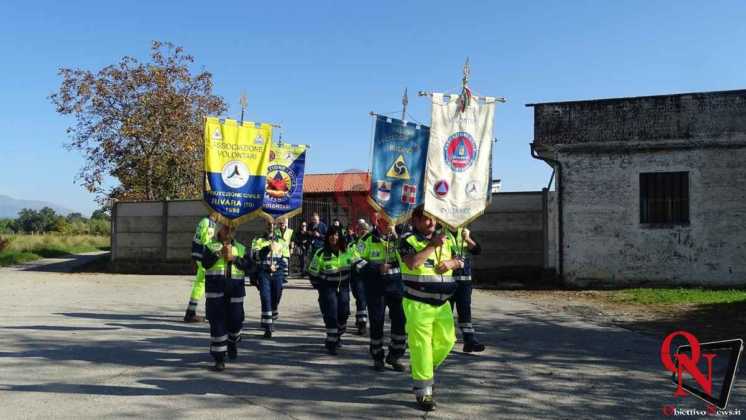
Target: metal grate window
column 664, row 198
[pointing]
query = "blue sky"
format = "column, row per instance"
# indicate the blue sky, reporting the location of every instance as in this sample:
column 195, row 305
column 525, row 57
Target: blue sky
column 320, row 67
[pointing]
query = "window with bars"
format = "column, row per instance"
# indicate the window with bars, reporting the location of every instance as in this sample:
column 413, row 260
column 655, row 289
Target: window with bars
column 664, row 198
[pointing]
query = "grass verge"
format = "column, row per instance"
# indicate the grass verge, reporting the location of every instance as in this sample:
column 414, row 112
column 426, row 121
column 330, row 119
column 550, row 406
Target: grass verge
column 676, row 296
column 25, row 248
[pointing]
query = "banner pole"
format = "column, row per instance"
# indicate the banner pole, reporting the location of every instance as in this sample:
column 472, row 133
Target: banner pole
column 244, row 104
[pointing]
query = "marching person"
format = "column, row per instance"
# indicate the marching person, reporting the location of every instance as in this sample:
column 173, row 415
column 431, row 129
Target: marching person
column 287, row 250
column 226, row 262
column 356, row 281
column 302, row 241
column 427, row 268
column 205, row 232
column 383, row 288
column 330, row 275
column 465, row 247
column 318, row 233
column 267, row 251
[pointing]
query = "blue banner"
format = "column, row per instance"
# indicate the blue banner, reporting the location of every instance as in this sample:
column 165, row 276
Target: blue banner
column 283, row 196
column 398, row 169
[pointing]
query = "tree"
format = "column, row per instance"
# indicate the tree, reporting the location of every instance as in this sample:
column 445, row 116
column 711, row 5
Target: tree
column 104, row 213
column 32, row 221
column 140, row 123
column 73, row 217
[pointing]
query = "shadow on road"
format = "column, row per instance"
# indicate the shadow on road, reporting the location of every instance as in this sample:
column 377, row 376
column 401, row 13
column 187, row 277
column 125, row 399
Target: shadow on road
column 534, row 365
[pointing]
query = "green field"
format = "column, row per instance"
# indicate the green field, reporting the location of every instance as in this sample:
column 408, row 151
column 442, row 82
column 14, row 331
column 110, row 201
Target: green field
column 677, row 296
column 24, row 248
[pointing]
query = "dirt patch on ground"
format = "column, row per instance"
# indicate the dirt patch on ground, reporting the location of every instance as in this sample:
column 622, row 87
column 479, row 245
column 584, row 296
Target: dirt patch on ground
column 707, row 321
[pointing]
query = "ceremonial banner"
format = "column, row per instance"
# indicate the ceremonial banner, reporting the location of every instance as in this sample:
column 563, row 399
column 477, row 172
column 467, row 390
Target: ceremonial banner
column 236, row 158
column 457, row 176
column 396, row 182
column 283, row 196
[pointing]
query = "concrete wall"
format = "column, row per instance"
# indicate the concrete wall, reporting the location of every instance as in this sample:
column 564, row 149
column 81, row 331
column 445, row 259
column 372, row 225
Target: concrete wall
column 606, row 244
column 511, row 232
column 156, row 236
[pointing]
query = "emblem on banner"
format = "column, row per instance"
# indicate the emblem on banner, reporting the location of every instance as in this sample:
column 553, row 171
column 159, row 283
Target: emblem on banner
column 235, row 174
column 460, row 151
column 441, row 188
column 383, row 190
column 258, row 141
column 399, row 169
column 217, row 135
column 280, row 184
column 409, row 194
column 473, row 190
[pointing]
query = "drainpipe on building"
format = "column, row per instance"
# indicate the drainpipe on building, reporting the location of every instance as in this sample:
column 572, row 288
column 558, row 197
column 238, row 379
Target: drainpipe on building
column 556, row 167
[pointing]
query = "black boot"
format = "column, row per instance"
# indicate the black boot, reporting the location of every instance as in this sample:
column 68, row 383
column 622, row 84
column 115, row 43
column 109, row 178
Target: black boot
column 232, row 351
column 426, row 402
column 362, row 328
column 473, row 346
column 395, row 363
column 331, row 348
column 267, row 333
column 219, row 366
column 191, row 316
column 378, row 365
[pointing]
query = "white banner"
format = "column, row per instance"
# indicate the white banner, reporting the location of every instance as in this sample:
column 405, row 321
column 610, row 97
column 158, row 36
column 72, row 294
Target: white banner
column 457, row 173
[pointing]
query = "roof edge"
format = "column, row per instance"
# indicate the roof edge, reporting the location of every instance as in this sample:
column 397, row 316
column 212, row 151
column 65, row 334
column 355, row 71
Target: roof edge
column 628, row 98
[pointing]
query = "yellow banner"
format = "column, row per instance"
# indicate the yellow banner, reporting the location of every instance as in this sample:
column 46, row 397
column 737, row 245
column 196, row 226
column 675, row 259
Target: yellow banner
column 236, row 159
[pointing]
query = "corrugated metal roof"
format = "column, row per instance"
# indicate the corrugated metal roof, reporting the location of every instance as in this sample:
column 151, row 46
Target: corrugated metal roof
column 336, row 182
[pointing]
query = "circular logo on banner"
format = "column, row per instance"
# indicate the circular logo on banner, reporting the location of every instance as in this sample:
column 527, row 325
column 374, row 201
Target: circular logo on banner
column 441, row 188
column 473, row 190
column 235, row 174
column 280, row 182
column 460, row 151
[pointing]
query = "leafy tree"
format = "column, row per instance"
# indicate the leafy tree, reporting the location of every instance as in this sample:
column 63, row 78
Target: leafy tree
column 140, row 122
column 73, row 217
column 104, row 213
column 7, row 226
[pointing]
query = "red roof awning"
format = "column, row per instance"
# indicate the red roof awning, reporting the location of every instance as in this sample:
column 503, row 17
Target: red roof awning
column 336, row 182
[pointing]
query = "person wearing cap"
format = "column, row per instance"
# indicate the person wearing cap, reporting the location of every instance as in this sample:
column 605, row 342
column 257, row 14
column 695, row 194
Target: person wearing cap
column 426, row 265
column 225, row 261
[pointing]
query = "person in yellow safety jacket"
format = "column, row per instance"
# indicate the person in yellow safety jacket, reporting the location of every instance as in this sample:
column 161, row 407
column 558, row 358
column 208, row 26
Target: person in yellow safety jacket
column 205, row 232
column 426, row 265
column 465, row 248
column 329, row 272
column 225, row 261
column 356, row 279
column 287, row 251
column 383, row 288
column 268, row 251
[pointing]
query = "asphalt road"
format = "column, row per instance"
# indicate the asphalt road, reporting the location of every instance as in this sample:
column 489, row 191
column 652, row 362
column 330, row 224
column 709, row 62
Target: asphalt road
column 102, row 345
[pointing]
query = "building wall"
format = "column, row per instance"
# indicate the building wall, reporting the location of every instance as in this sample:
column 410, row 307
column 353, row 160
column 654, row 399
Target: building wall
column 604, row 242
column 690, row 116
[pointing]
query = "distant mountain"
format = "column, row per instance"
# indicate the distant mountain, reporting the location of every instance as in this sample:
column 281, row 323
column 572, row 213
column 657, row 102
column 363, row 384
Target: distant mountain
column 9, row 206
